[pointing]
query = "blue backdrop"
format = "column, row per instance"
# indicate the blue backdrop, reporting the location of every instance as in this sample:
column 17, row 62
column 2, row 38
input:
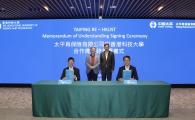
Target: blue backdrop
column 33, row 50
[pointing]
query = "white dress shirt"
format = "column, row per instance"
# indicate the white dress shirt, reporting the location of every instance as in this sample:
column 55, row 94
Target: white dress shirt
column 127, row 67
column 71, row 68
column 106, row 54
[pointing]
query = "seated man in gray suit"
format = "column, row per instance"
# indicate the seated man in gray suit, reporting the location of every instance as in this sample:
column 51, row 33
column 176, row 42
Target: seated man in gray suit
column 92, row 65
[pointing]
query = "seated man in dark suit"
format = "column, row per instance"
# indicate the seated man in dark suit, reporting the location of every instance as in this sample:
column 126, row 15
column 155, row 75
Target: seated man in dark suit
column 127, row 66
column 71, row 67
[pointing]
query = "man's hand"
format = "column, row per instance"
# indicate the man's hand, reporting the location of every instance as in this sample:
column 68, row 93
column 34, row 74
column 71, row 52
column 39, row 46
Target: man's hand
column 64, row 78
column 120, row 79
column 75, row 77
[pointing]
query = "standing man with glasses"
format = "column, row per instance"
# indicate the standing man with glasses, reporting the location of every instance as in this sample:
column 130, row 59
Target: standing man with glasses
column 92, row 65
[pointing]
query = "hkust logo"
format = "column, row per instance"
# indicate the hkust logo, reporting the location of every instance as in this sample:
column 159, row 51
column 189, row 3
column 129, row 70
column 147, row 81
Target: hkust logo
column 153, row 24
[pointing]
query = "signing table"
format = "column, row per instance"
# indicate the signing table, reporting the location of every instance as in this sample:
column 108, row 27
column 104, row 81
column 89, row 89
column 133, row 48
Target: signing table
column 100, row 99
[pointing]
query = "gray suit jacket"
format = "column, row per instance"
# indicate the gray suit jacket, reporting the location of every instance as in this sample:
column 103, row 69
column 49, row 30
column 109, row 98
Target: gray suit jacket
column 95, row 66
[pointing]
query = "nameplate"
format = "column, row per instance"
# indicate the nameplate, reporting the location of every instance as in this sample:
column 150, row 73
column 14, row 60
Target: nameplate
column 65, row 81
column 130, row 82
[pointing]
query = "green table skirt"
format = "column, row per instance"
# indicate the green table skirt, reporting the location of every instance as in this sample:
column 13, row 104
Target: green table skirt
column 101, row 99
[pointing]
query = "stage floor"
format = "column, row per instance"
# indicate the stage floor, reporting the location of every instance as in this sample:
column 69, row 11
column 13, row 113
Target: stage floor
column 16, row 104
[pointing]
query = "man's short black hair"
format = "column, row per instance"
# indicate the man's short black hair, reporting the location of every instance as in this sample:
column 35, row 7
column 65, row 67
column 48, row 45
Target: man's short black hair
column 92, row 47
column 106, row 44
column 70, row 58
column 127, row 56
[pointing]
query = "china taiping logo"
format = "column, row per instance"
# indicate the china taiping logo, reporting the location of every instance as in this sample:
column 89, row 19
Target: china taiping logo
column 153, row 24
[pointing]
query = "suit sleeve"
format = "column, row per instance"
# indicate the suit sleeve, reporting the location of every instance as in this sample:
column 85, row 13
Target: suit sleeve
column 78, row 75
column 119, row 75
column 63, row 74
column 113, row 61
column 135, row 75
column 101, row 61
column 86, row 62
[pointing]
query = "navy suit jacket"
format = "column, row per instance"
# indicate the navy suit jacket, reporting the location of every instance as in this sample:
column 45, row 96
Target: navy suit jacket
column 132, row 68
column 76, row 72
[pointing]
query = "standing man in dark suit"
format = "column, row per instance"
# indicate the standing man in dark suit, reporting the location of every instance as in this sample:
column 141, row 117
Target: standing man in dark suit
column 71, row 67
column 107, row 63
column 127, row 66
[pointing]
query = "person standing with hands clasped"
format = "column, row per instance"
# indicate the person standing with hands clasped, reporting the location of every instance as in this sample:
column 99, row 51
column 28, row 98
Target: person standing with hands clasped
column 107, row 63
column 92, row 65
